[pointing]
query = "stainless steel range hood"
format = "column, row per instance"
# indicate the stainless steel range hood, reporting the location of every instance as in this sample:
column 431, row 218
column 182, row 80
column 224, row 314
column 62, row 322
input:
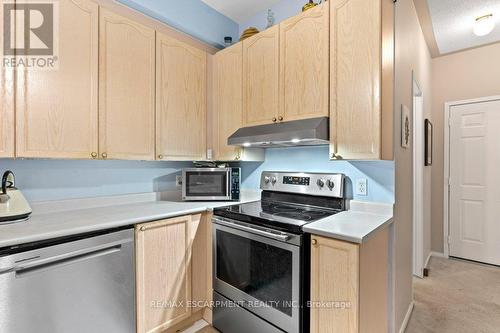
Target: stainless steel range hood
column 308, row 132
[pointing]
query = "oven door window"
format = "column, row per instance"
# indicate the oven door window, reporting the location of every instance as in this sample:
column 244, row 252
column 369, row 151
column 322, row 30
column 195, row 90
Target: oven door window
column 207, row 184
column 256, row 268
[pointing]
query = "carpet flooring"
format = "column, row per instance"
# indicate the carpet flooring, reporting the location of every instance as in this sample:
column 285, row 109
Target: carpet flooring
column 457, row 297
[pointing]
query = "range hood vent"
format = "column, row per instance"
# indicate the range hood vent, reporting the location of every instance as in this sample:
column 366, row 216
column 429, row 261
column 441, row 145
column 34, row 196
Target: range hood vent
column 308, row 132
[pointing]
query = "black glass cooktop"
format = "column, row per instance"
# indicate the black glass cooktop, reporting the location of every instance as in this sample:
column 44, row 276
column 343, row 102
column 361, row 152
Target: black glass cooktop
column 278, row 215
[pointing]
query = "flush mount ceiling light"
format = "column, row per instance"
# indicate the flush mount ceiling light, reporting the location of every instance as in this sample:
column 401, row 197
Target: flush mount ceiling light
column 483, row 25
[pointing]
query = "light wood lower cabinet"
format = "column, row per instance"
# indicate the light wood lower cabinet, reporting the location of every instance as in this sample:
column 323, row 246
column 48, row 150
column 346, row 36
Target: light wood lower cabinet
column 181, row 102
column 361, row 82
column 304, row 67
column 127, row 89
column 56, row 110
column 349, row 284
column 173, row 268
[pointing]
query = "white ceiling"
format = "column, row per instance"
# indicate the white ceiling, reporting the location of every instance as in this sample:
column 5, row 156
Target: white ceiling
column 452, row 22
column 240, row 10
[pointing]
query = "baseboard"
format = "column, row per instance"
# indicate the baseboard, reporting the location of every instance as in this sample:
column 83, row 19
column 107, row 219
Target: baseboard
column 407, row 318
column 438, row 254
column 426, row 265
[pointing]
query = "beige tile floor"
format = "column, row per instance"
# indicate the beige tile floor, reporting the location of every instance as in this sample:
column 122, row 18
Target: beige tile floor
column 457, row 297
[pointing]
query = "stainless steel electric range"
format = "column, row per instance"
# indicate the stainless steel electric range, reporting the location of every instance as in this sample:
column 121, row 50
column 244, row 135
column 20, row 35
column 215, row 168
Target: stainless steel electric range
column 261, row 263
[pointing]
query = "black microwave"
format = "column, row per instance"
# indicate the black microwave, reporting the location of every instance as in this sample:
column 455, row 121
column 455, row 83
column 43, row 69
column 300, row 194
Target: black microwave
column 211, row 184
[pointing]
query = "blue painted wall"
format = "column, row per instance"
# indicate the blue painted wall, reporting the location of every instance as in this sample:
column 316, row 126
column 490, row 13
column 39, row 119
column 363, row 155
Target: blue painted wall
column 42, row 180
column 379, row 174
column 193, row 17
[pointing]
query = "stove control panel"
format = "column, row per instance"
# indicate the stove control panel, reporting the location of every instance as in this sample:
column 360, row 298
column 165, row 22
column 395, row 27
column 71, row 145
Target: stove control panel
column 323, row 184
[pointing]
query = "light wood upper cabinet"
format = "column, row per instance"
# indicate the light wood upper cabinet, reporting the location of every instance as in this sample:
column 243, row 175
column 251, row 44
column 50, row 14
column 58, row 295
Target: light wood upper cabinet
column 304, row 64
column 228, row 66
column 127, row 89
column 356, row 277
column 56, row 110
column 181, row 103
column 261, row 77
column 359, row 77
column 6, row 105
column 164, row 273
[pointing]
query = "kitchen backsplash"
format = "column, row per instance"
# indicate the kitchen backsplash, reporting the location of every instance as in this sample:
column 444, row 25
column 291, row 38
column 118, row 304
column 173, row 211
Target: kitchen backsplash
column 379, row 174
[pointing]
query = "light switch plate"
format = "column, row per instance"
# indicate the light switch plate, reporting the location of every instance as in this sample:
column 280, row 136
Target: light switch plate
column 178, row 181
column 361, row 186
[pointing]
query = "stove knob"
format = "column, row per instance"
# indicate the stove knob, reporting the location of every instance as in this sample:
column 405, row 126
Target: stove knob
column 267, row 179
column 321, row 182
column 273, row 180
column 330, row 183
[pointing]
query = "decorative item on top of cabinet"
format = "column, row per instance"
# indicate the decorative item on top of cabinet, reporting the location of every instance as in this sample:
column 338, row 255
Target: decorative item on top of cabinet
column 304, row 67
column 349, row 285
column 126, row 89
column 261, row 77
column 227, row 108
column 181, row 102
column 56, row 110
column 361, row 81
column 311, row 4
column 6, row 105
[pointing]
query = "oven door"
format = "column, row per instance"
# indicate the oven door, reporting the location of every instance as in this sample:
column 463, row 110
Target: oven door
column 259, row 272
column 206, row 184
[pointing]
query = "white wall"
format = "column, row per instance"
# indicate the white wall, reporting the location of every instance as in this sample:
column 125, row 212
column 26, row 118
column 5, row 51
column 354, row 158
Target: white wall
column 464, row 75
column 412, row 55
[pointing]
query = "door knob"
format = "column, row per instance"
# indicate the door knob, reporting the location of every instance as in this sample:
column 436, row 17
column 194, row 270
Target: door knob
column 94, row 154
column 160, row 157
column 280, row 118
column 314, row 241
column 104, row 155
column 274, row 119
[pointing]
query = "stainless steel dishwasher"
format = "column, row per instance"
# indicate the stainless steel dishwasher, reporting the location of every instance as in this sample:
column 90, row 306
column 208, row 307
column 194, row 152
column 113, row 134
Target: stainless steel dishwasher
column 71, row 285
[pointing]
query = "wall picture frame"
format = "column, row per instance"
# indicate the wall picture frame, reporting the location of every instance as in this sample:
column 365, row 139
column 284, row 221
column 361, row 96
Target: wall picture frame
column 405, row 127
column 428, row 142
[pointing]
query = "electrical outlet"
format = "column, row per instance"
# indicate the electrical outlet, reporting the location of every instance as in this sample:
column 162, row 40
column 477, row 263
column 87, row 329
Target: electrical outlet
column 361, row 186
column 178, row 181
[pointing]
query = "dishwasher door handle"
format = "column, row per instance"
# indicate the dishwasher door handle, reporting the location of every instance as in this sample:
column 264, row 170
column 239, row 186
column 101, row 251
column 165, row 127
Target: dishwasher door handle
column 65, row 259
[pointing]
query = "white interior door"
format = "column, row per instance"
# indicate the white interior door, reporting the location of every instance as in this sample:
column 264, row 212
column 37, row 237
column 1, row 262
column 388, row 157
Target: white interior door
column 474, row 201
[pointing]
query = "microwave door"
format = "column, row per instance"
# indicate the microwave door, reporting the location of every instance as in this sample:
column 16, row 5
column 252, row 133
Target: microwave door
column 206, row 185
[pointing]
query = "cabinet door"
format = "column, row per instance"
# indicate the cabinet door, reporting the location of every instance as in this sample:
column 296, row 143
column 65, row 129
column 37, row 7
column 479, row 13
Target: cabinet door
column 6, row 105
column 56, row 109
column 228, row 66
column 127, row 89
column 181, row 85
column 355, row 81
column 163, row 268
column 304, row 65
column 334, row 278
column 261, row 77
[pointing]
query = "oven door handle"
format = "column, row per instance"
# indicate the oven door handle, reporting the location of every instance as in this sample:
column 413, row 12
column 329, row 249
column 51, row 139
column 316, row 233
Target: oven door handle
column 280, row 237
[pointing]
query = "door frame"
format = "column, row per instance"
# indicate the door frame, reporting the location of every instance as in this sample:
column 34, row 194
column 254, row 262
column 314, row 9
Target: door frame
column 446, row 183
column 418, row 182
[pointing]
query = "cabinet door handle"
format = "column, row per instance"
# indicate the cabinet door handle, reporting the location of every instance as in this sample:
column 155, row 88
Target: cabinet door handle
column 104, row 155
column 314, row 241
column 160, row 157
column 280, row 118
column 274, row 119
column 94, row 154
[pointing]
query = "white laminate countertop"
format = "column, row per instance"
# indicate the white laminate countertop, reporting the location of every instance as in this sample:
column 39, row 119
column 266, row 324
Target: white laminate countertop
column 72, row 217
column 355, row 225
column 53, row 220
